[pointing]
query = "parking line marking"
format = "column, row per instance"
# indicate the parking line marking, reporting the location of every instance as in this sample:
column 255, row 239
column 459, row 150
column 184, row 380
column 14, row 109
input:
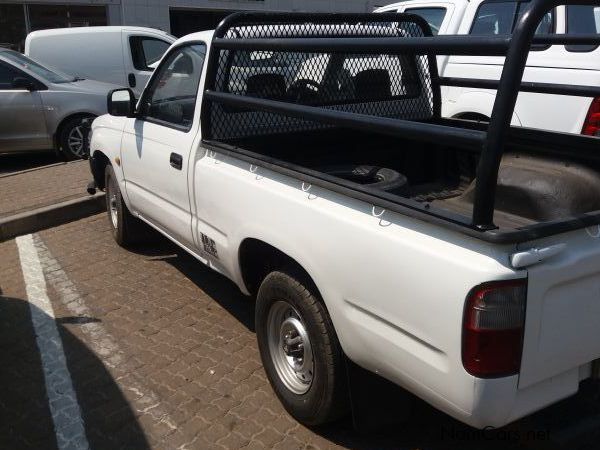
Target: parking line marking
column 99, row 340
column 62, row 400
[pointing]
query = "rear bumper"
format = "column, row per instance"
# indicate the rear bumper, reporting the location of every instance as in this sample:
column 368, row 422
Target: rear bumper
column 498, row 402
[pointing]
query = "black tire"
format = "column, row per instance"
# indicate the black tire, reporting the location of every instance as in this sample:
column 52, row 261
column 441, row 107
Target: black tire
column 372, row 176
column 71, row 132
column 126, row 229
column 326, row 398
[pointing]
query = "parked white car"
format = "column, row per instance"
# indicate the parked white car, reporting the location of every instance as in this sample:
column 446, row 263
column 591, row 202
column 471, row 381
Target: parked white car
column 121, row 55
column 574, row 64
column 367, row 226
column 43, row 109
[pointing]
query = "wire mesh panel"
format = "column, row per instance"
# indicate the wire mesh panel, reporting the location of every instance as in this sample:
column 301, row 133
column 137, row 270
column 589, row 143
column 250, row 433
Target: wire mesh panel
column 383, row 85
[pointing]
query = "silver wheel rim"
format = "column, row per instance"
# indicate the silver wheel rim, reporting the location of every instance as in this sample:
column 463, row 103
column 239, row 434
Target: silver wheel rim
column 112, row 205
column 290, row 348
column 75, row 141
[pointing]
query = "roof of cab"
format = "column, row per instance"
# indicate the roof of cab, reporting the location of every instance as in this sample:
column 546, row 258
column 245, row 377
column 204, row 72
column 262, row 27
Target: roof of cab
column 205, row 36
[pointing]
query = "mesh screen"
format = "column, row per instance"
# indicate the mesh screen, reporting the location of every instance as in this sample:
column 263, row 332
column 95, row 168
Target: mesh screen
column 384, row 85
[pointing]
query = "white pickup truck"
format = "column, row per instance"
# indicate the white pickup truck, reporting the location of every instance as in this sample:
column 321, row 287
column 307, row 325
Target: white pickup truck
column 565, row 64
column 304, row 157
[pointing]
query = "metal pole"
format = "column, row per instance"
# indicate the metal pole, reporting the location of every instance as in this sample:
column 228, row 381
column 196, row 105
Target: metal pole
column 506, row 98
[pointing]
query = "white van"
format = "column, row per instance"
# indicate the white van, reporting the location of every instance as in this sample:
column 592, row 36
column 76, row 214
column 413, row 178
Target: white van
column 571, row 64
column 118, row 55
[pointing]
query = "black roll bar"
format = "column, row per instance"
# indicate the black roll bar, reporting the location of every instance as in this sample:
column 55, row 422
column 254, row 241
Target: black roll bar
column 504, row 105
column 491, row 143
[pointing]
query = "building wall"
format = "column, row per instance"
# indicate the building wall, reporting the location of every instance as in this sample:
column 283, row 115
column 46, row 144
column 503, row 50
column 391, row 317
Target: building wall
column 155, row 13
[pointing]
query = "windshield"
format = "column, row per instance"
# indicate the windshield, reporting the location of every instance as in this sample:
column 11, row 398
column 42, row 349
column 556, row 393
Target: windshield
column 24, row 62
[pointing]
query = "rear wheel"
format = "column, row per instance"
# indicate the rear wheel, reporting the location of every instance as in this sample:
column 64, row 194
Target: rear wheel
column 299, row 348
column 126, row 229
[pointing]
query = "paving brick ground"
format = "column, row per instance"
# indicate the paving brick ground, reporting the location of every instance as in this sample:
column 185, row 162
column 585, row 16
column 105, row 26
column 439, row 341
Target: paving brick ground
column 162, row 355
column 21, row 192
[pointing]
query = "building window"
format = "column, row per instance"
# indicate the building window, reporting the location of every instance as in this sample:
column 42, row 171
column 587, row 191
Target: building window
column 62, row 16
column 12, row 27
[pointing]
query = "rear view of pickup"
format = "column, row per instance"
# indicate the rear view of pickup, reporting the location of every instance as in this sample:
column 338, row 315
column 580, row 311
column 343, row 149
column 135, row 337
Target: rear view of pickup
column 304, row 157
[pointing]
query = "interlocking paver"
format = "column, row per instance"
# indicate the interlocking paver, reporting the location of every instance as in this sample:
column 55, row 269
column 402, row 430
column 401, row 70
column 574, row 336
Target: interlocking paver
column 44, row 186
column 157, row 362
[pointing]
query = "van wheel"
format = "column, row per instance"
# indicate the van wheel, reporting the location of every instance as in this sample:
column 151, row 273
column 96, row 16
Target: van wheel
column 73, row 137
column 125, row 228
column 299, row 348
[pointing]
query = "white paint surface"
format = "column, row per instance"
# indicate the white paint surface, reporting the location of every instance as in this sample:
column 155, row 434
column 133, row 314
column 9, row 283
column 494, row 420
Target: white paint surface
column 62, row 400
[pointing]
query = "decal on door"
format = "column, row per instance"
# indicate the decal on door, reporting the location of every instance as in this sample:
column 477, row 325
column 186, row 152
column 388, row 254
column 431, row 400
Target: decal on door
column 209, row 245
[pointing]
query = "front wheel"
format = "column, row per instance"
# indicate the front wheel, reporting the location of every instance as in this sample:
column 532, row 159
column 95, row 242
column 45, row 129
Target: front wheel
column 125, row 228
column 299, row 348
column 73, row 138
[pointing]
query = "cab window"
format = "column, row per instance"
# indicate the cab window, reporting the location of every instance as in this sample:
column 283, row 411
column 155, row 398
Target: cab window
column 582, row 19
column 7, row 76
column 497, row 18
column 433, row 16
column 146, row 51
column 171, row 97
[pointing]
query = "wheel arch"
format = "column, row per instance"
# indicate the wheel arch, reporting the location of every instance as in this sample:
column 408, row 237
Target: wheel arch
column 472, row 116
column 257, row 258
column 63, row 122
column 98, row 163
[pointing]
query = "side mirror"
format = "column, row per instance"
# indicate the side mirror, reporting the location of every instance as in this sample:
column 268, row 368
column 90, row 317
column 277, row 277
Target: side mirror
column 23, row 83
column 121, row 103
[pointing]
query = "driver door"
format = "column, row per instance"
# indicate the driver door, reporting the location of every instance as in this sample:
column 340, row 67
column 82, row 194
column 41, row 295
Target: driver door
column 22, row 120
column 157, row 143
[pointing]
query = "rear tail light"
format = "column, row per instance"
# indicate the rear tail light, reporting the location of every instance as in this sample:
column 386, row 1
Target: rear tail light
column 591, row 127
column 493, row 325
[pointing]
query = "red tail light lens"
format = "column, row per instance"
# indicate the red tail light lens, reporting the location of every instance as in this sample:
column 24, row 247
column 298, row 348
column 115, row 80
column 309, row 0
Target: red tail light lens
column 591, row 127
column 493, row 328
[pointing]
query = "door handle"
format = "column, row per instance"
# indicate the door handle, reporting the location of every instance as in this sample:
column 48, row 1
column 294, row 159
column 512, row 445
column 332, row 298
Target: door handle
column 176, row 161
column 131, row 79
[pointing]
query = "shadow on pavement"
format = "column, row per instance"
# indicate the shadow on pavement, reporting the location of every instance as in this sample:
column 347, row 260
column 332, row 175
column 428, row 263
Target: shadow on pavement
column 216, row 286
column 25, row 417
column 10, row 162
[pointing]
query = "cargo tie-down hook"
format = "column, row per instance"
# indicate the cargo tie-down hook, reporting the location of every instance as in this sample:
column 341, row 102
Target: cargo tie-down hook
column 306, row 187
column 379, row 215
column 253, row 168
column 375, row 214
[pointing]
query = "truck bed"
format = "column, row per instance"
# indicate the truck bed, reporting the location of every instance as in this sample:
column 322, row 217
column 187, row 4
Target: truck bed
column 440, row 175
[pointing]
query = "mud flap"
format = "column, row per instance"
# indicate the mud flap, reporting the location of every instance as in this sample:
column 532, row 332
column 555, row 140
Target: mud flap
column 376, row 402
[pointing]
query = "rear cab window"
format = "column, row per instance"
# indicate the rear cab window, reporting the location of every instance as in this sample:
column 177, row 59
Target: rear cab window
column 434, row 16
column 147, row 51
column 582, row 19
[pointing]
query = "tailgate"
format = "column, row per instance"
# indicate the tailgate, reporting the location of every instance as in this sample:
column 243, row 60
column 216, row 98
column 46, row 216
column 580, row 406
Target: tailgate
column 562, row 322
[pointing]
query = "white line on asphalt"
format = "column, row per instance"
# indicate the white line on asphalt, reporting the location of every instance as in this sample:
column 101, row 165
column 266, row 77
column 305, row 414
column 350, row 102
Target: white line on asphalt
column 62, row 400
column 100, row 341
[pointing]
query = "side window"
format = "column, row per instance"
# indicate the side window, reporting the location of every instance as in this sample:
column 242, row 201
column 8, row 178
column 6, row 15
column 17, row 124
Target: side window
column 433, row 16
column 582, row 19
column 171, row 96
column 7, row 75
column 495, row 18
column 146, row 51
